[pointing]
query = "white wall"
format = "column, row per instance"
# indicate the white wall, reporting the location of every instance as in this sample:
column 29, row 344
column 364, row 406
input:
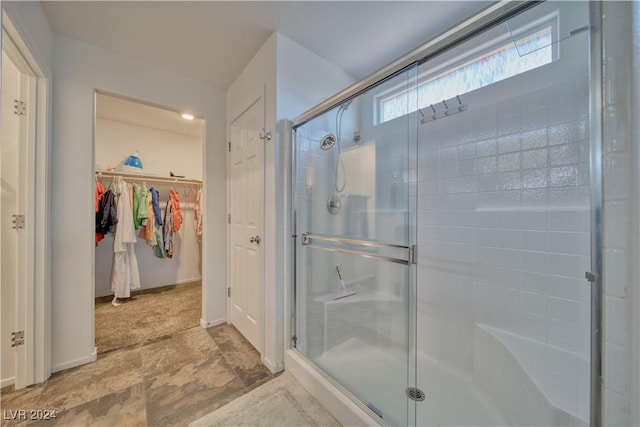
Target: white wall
column 80, row 69
column 9, row 174
column 32, row 24
column 160, row 151
column 256, row 80
column 304, row 79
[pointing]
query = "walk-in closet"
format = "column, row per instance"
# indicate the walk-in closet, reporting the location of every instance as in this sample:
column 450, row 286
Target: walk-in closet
column 148, row 207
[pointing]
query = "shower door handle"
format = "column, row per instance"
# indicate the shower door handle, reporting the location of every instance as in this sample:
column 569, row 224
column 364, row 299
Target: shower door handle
column 348, row 246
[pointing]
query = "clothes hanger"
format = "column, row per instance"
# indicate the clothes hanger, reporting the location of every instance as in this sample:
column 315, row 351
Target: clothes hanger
column 191, row 190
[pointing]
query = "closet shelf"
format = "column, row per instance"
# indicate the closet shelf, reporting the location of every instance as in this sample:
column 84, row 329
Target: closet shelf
column 148, row 178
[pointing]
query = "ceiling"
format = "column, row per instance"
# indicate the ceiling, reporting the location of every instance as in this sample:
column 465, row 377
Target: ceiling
column 140, row 114
column 212, row 41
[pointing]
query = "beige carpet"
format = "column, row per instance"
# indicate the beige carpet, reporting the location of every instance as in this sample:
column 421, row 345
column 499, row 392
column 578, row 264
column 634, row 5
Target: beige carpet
column 280, row 402
column 147, row 315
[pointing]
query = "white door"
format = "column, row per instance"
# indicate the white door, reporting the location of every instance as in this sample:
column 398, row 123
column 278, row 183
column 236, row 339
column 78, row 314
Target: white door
column 17, row 238
column 246, row 210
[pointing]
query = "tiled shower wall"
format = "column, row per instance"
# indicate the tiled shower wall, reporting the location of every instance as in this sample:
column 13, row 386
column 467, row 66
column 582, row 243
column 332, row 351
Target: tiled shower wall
column 617, row 152
column 504, row 222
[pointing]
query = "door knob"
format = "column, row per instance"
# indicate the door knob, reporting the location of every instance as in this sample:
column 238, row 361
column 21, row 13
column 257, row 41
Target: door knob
column 255, row 240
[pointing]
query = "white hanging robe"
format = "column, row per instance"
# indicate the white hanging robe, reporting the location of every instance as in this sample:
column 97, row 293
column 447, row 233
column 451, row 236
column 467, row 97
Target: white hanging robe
column 124, row 272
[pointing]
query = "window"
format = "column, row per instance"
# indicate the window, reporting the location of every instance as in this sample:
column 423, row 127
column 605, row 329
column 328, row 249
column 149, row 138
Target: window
column 500, row 61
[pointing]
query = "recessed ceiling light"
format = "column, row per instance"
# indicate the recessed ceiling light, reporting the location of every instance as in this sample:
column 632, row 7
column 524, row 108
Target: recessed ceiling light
column 187, row 116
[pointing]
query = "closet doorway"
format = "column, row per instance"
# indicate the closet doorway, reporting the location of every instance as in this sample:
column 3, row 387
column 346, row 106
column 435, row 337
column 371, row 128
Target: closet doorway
column 148, row 264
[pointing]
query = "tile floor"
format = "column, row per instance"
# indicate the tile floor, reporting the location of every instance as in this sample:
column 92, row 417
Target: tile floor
column 168, row 382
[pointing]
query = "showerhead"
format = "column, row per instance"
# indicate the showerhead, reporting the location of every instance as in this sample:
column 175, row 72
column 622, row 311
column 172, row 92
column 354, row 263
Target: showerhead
column 327, row 141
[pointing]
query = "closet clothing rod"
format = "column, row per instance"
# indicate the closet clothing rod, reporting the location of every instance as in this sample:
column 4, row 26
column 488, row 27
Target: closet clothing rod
column 148, row 178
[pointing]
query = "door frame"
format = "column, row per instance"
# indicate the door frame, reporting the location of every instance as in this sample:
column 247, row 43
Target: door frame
column 260, row 97
column 203, row 267
column 33, row 296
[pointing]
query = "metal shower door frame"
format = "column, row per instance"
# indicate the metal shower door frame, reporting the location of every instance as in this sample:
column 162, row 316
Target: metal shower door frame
column 597, row 210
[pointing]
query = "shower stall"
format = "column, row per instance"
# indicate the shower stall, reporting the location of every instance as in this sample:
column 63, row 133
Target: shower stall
column 444, row 217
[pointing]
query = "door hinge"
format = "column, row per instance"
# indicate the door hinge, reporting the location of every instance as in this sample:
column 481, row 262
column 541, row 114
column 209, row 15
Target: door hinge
column 266, row 136
column 591, row 277
column 413, row 254
column 228, row 218
column 294, row 340
column 18, row 222
column 19, row 108
column 229, row 292
column 229, row 146
column 17, row 338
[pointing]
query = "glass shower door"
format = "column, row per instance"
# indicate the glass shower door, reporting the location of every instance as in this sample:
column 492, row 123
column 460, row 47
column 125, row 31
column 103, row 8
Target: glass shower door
column 503, row 330
column 355, row 225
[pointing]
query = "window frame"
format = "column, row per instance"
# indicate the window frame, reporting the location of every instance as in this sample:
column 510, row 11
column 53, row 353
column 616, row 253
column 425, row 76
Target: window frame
column 476, row 54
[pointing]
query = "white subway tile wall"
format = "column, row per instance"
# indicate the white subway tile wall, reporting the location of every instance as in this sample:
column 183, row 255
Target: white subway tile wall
column 523, row 253
column 504, row 208
column 616, row 164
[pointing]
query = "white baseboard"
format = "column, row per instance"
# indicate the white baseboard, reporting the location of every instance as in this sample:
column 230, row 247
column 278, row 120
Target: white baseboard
column 179, row 282
column 211, row 323
column 273, row 367
column 78, row 362
column 7, row 382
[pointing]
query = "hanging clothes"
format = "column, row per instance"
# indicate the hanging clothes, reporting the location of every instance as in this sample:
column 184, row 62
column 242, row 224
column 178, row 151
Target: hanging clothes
column 136, row 205
column 197, row 210
column 159, row 248
column 125, row 274
column 175, row 209
column 107, row 216
column 130, row 192
column 147, row 230
column 100, row 190
column 140, row 206
column 155, row 196
column 145, row 198
column 167, row 230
